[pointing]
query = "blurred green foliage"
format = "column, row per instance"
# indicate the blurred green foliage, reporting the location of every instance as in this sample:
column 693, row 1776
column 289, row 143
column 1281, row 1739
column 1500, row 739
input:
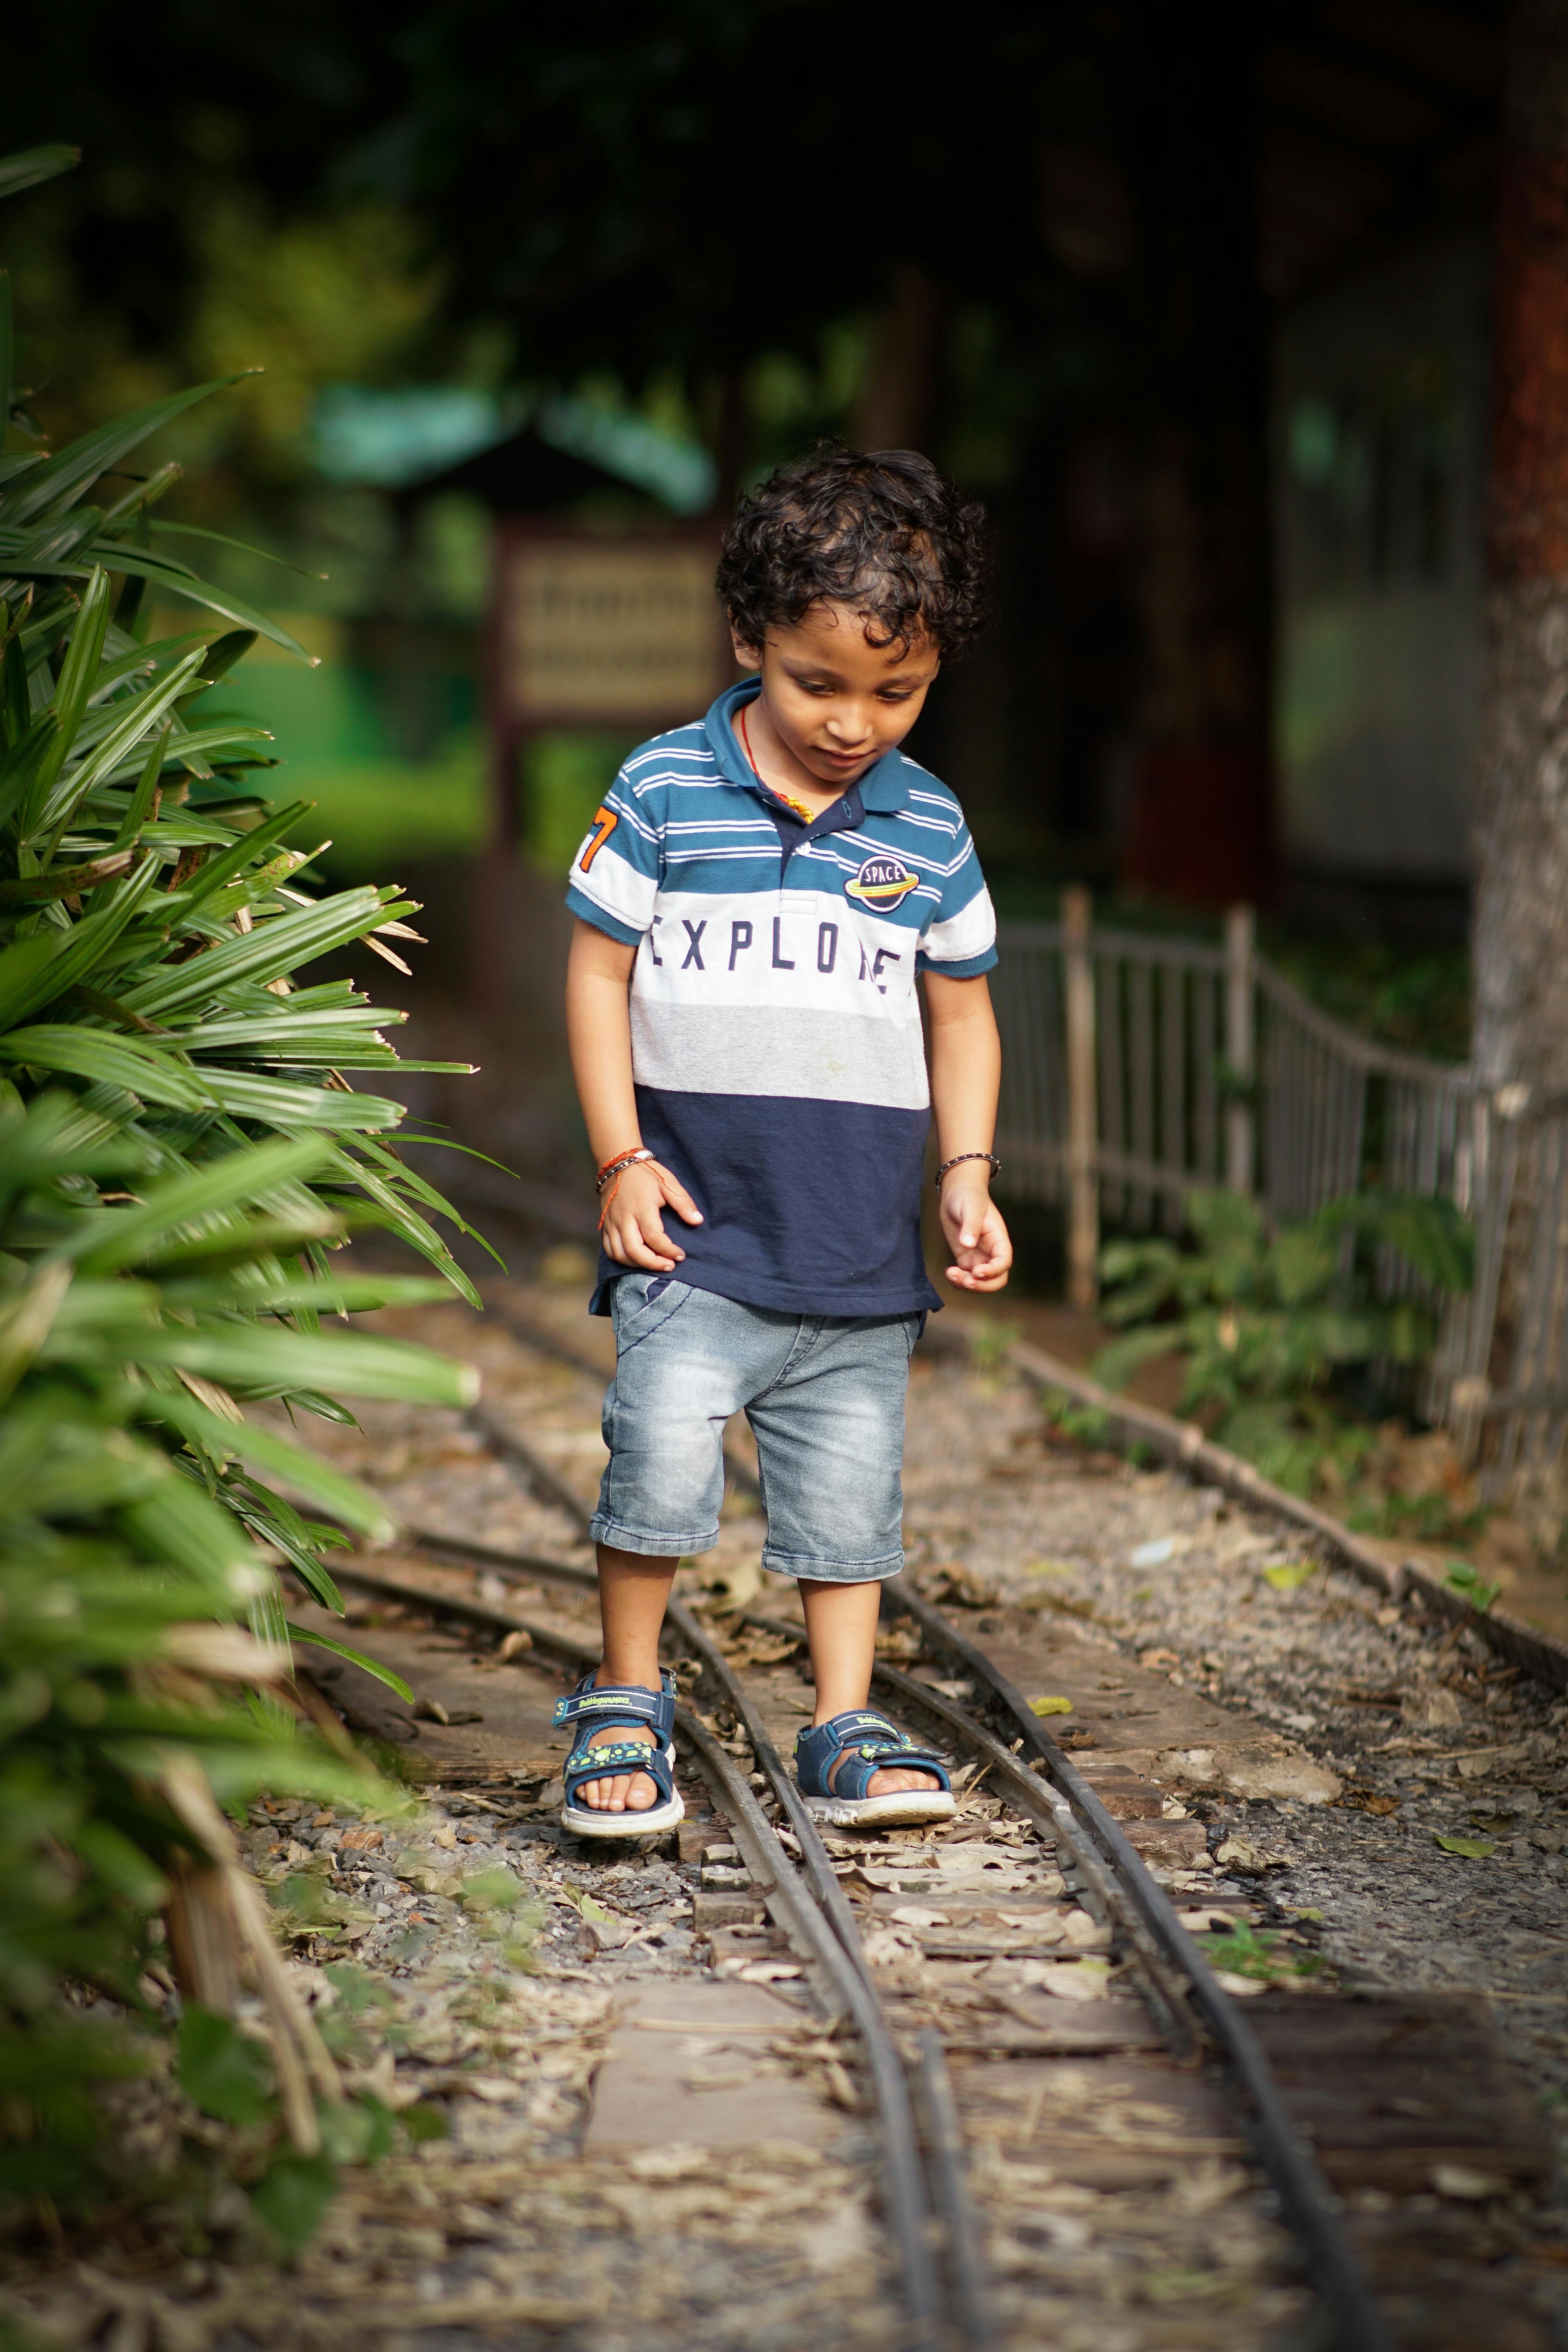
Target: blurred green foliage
column 1417, row 998
column 180, row 1156
column 1270, row 1324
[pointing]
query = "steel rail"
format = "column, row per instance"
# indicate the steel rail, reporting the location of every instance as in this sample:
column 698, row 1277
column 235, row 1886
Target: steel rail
column 810, row 1907
column 766, row 1858
column 1309, row 2205
column 483, row 1555
column 1172, row 1963
column 1182, row 1444
column 956, row 2207
column 1164, row 1989
column 909, row 2202
column 1171, row 1968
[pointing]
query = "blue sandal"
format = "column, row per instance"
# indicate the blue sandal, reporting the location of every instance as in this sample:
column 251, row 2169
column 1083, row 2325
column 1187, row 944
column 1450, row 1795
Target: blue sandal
column 613, row 1706
column 870, row 1744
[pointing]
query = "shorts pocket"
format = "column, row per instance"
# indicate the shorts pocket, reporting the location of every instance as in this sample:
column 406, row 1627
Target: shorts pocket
column 641, row 1304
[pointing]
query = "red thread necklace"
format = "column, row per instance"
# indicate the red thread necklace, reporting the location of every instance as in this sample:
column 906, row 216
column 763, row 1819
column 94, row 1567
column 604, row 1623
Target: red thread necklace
column 806, row 814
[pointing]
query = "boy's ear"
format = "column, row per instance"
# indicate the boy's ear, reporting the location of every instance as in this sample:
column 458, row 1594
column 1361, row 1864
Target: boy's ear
column 748, row 657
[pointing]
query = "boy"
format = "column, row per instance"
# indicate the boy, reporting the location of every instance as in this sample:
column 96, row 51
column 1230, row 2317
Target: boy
column 754, row 900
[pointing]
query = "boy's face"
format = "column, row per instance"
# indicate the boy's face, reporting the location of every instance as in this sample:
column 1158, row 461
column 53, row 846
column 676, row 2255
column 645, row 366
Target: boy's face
column 836, row 701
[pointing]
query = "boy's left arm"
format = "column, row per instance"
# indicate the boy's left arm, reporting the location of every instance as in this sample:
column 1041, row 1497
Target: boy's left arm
column 965, row 1077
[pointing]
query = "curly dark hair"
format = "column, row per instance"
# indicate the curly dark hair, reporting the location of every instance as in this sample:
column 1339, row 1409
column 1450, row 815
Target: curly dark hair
column 886, row 534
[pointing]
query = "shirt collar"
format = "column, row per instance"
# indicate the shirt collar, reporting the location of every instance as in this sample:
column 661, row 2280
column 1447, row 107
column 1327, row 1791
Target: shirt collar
column 882, row 787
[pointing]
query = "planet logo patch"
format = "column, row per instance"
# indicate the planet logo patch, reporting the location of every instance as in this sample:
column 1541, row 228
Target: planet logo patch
column 882, row 883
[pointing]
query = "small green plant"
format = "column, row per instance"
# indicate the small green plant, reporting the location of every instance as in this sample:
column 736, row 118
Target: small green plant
column 1273, row 1324
column 1088, row 1424
column 1431, row 1516
column 989, row 1343
column 1244, row 1951
column 1470, row 1585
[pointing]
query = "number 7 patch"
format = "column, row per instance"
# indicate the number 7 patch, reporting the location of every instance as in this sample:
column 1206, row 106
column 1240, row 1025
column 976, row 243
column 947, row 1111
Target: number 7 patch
column 605, row 822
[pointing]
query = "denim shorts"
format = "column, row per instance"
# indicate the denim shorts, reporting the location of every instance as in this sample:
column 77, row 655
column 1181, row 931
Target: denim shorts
column 824, row 1394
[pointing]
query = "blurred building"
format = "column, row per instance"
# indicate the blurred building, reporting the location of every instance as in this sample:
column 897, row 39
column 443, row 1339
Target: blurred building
column 1380, row 434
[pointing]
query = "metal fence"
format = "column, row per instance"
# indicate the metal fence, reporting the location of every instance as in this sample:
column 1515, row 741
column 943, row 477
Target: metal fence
column 1136, row 1066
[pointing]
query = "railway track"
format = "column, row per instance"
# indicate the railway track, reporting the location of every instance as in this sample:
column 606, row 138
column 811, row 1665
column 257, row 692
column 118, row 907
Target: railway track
column 900, row 1975
column 1179, row 1988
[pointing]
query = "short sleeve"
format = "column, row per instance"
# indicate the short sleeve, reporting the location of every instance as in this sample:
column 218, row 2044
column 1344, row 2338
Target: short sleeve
column 614, row 874
column 960, row 940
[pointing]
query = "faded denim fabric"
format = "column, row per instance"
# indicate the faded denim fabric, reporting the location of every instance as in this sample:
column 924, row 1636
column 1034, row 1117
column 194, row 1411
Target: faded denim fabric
column 824, row 1394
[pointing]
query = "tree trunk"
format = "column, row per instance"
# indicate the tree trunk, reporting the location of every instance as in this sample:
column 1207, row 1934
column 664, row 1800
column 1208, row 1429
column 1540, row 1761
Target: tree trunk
column 897, row 406
column 1201, row 827
column 1521, row 924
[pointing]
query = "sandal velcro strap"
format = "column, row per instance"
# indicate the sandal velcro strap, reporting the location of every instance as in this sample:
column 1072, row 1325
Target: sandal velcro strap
column 611, row 1759
column 869, row 1744
column 609, row 1705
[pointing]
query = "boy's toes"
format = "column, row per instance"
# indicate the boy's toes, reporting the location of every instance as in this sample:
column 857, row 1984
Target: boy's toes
column 889, row 1783
column 629, row 1792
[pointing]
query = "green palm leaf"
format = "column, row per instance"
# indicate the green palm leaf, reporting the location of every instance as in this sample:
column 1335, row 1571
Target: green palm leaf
column 163, row 1202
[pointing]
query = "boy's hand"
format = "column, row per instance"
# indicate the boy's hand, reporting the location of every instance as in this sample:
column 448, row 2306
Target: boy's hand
column 975, row 1233
column 634, row 1228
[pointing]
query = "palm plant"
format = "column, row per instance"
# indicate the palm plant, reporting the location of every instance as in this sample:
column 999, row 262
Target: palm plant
column 180, row 1156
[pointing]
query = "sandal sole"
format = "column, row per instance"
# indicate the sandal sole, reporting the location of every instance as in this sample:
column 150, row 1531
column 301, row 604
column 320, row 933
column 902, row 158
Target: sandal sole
column 906, row 1806
column 585, row 1824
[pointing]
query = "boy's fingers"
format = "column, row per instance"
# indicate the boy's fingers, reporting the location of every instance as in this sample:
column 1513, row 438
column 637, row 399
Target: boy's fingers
column 629, row 1248
column 651, row 1229
column 680, row 1199
column 965, row 1278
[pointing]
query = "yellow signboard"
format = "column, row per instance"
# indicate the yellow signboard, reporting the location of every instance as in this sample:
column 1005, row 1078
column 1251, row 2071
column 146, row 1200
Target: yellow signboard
column 616, row 630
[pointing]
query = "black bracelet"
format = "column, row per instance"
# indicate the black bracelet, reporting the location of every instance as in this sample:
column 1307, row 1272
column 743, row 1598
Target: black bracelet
column 619, row 1167
column 991, row 1156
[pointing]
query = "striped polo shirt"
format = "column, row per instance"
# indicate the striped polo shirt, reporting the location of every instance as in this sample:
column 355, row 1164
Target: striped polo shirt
column 776, row 1042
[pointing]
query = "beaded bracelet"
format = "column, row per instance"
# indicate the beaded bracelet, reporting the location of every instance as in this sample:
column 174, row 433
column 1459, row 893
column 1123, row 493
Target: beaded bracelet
column 619, row 1164
column 991, row 1156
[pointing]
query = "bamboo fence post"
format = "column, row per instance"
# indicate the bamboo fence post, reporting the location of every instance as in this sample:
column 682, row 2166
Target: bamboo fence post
column 1240, row 956
column 1083, row 1191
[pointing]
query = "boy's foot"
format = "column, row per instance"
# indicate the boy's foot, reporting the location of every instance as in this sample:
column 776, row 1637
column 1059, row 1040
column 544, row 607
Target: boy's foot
column 624, row 1792
column 857, row 1770
column 886, row 1783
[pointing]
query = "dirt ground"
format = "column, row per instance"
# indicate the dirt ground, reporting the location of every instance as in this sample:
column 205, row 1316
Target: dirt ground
column 645, row 2146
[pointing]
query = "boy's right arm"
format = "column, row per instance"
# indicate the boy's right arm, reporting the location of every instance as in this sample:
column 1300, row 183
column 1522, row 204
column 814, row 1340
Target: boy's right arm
column 599, row 1034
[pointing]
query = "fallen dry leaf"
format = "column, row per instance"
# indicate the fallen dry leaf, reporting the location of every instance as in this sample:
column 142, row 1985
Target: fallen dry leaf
column 1458, row 2180
column 1240, row 1853
column 1086, row 1979
column 1239, row 1988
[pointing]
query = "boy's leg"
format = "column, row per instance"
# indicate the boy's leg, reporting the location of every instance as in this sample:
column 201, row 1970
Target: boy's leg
column 841, row 1630
column 633, row 1588
column 685, row 1359
column 831, row 1445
